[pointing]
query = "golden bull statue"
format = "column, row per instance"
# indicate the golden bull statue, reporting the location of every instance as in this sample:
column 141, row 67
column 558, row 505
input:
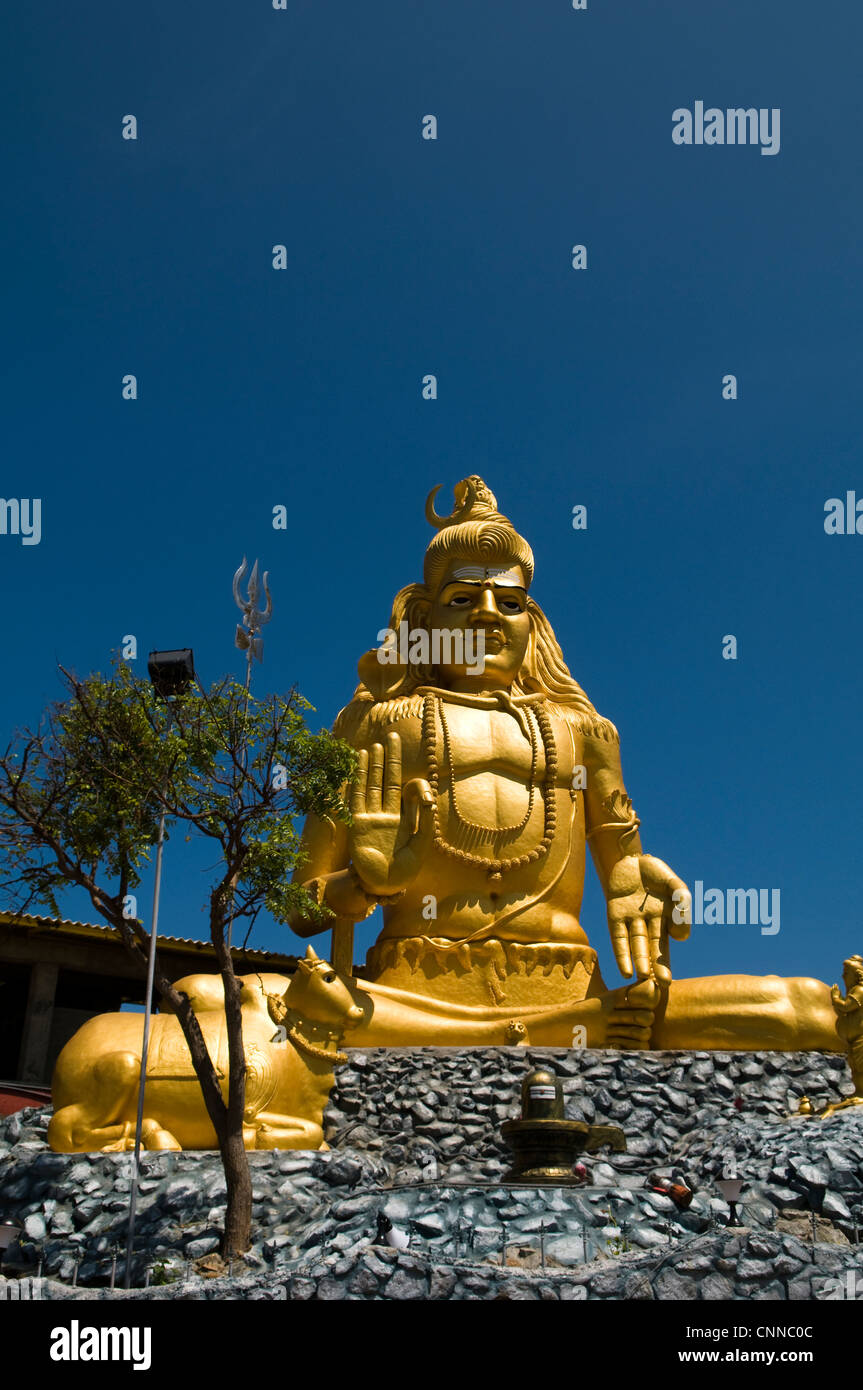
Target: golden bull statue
column 291, row 1034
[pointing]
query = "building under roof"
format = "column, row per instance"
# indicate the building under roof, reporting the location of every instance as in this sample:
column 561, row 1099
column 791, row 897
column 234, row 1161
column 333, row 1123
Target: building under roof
column 55, row 974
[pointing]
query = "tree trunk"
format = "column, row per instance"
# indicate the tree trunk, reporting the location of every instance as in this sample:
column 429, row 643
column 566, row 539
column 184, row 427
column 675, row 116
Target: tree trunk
column 227, row 1120
column 238, row 1216
column 238, row 1179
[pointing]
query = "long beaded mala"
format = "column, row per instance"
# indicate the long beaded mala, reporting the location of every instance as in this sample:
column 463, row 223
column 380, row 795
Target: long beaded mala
column 496, row 868
column 488, row 832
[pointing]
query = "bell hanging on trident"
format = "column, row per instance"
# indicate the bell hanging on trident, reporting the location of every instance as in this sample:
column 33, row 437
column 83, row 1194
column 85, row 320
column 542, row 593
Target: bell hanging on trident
column 254, row 618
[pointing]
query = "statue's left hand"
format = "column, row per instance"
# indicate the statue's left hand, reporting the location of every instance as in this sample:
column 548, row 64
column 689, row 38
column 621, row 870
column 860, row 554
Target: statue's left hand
column 646, row 902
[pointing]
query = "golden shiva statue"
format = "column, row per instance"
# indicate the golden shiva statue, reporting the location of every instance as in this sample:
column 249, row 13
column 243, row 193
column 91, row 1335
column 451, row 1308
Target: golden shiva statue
column 484, row 774
column 480, row 785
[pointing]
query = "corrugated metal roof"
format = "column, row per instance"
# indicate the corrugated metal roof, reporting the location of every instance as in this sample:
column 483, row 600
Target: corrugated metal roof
column 64, row 926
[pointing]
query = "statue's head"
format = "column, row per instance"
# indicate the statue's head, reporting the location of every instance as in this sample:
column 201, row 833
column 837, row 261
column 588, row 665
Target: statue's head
column 852, row 972
column 477, row 573
column 474, row 536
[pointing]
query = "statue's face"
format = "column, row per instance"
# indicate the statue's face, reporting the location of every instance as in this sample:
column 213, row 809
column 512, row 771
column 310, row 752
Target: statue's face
column 496, row 607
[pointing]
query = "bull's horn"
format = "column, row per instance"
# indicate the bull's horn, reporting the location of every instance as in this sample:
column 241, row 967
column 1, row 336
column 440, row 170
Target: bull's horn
column 311, row 953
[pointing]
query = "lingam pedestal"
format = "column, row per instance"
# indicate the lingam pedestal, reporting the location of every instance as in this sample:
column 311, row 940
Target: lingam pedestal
column 545, row 1145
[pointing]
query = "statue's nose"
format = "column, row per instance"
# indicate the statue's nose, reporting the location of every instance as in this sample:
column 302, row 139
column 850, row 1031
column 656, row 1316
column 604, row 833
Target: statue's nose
column 486, row 606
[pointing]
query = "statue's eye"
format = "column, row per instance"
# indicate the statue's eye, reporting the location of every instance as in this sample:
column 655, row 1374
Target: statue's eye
column 510, row 605
column 459, row 601
column 330, row 978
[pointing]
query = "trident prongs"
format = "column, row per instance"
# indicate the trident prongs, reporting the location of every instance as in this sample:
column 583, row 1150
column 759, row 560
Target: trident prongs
column 254, row 617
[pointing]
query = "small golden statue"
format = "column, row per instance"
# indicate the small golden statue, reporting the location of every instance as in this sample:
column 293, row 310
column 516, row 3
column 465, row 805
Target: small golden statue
column 849, row 1025
column 481, row 786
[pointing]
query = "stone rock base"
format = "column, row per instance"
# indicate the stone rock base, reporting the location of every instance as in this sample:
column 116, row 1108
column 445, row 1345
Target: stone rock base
column 417, row 1136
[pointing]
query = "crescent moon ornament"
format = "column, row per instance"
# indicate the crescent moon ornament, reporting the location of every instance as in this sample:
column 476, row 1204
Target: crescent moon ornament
column 462, row 509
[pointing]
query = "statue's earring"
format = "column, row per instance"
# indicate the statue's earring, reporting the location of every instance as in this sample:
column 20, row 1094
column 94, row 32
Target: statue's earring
column 529, row 667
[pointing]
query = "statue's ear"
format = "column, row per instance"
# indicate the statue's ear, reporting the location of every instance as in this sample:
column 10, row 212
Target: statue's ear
column 528, row 673
column 386, row 678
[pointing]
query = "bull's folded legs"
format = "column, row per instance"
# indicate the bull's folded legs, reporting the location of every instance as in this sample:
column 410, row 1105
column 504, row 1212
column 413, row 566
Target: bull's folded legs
column 153, row 1136
column 100, row 1121
column 72, row 1130
column 104, row 1120
column 287, row 1132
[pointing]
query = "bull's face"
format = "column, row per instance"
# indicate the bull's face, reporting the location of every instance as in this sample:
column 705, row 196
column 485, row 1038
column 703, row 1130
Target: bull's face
column 318, row 994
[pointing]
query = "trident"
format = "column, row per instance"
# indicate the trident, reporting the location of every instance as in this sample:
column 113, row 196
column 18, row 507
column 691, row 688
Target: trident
column 250, row 642
column 254, row 618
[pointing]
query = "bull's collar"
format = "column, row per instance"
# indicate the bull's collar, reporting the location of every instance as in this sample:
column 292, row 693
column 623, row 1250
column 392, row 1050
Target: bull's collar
column 313, row 1049
column 281, row 1014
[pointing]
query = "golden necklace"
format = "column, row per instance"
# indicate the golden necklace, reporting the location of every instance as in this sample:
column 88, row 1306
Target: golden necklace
column 432, row 706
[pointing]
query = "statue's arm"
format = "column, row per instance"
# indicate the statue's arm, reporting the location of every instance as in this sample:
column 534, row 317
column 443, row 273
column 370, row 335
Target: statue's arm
column 612, row 831
column 646, row 899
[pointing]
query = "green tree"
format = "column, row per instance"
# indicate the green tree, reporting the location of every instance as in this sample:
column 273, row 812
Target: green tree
column 80, row 803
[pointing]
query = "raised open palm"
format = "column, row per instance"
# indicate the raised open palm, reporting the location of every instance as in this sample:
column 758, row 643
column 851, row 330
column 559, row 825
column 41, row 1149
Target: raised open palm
column 391, row 827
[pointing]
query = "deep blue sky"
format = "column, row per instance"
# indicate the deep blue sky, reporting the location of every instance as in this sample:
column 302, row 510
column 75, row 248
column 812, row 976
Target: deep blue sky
column 602, row 387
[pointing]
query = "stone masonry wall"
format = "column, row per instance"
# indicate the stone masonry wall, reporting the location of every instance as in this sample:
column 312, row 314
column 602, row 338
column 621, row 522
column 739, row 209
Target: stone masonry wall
column 415, row 1140
column 451, row 1102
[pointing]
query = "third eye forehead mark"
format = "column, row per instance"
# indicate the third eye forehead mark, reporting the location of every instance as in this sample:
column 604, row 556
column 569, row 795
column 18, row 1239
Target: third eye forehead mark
column 504, row 584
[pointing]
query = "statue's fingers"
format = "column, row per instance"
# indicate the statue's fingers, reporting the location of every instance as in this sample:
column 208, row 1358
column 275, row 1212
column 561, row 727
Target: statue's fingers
column 657, row 938
column 678, row 913
column 663, row 881
column 376, row 778
column 418, row 802
column 392, row 798
column 358, row 790
column 620, row 946
column 639, row 946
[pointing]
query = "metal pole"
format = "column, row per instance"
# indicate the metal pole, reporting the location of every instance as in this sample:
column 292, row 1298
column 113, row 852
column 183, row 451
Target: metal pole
column 145, row 1046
